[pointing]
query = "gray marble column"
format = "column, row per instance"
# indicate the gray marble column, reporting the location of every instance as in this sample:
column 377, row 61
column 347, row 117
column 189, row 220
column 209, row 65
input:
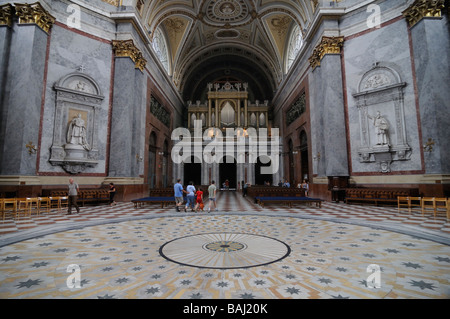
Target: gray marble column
column 22, row 87
column 431, row 46
column 329, row 117
column 125, row 122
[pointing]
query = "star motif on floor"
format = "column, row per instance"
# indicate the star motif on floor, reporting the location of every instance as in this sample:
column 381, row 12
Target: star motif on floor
column 422, row 284
column 28, row 284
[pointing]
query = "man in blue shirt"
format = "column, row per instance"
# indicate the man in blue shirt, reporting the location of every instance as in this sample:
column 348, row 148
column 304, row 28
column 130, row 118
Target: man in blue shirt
column 178, row 189
column 190, row 190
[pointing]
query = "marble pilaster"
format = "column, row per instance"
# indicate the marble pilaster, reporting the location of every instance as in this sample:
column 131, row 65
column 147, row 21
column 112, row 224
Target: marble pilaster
column 126, row 126
column 431, row 46
column 329, row 117
column 22, row 88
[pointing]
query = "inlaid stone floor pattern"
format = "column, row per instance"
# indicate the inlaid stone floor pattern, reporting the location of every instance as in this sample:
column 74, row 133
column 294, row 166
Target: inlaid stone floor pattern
column 251, row 254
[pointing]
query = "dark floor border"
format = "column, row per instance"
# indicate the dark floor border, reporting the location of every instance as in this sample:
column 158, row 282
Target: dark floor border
column 41, row 231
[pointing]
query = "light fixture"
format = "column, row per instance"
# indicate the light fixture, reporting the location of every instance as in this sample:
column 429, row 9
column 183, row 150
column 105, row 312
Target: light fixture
column 317, row 157
column 429, row 145
column 31, row 148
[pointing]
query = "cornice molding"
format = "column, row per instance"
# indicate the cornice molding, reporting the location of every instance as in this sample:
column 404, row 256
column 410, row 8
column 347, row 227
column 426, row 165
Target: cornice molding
column 127, row 48
column 328, row 45
column 423, row 9
column 34, row 13
column 6, row 15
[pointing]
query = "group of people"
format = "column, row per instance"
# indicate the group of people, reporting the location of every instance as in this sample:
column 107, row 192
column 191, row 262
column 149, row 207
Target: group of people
column 304, row 185
column 194, row 197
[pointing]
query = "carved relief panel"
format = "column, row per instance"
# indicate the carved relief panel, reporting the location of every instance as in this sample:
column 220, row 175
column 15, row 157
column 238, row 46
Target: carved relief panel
column 75, row 134
column 380, row 103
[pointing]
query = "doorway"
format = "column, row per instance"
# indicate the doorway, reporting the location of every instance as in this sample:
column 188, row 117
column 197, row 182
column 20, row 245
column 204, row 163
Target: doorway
column 151, row 176
column 261, row 179
column 227, row 171
column 193, row 171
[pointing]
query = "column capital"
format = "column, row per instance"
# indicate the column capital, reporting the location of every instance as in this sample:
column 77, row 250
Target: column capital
column 34, row 13
column 127, row 48
column 328, row 45
column 423, row 9
column 6, row 12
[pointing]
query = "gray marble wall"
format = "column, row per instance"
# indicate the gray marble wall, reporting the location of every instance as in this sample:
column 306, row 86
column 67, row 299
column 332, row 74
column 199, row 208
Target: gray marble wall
column 388, row 46
column 22, row 97
column 72, row 52
column 5, row 44
column 431, row 44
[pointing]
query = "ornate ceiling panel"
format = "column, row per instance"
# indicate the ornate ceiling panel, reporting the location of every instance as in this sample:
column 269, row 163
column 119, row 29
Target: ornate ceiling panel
column 230, row 31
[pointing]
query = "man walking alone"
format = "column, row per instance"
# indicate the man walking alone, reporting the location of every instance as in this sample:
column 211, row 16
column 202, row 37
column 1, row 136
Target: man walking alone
column 73, row 194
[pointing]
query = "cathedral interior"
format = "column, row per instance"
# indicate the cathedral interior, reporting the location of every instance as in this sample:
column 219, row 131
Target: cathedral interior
column 348, row 96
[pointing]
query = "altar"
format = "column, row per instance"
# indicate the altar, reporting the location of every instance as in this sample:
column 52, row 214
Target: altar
column 228, row 138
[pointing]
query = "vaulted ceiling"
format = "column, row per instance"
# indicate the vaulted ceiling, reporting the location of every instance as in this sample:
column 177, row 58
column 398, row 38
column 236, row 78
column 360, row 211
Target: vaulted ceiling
column 220, row 40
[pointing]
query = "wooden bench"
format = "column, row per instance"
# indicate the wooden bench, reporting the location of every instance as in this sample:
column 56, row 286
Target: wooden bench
column 289, row 201
column 85, row 196
column 378, row 196
column 164, row 201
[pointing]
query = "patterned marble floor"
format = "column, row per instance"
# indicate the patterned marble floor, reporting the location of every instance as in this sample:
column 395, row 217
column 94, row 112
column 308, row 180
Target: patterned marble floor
column 116, row 253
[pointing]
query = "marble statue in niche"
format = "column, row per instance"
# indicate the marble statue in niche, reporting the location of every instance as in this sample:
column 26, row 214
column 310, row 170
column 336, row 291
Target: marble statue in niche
column 381, row 128
column 76, row 133
column 380, row 91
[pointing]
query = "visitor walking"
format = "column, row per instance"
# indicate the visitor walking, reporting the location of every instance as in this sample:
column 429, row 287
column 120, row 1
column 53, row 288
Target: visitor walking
column 112, row 192
column 190, row 198
column 305, row 186
column 212, row 190
column 73, row 195
column 178, row 190
column 244, row 190
column 199, row 200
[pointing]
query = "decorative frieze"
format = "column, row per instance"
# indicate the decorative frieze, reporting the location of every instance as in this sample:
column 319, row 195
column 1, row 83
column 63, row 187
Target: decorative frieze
column 34, row 13
column 115, row 3
column 423, row 9
column 127, row 48
column 159, row 111
column 328, row 45
column 297, row 109
column 6, row 15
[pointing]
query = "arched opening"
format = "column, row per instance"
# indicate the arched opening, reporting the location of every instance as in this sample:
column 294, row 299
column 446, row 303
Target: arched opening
column 164, row 163
column 261, row 179
column 291, row 162
column 227, row 171
column 304, row 155
column 151, row 175
column 193, row 171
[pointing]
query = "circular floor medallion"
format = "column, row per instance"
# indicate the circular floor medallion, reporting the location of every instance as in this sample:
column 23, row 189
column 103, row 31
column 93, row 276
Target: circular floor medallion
column 224, row 250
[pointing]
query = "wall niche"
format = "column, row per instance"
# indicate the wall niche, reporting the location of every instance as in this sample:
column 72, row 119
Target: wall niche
column 75, row 134
column 380, row 103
